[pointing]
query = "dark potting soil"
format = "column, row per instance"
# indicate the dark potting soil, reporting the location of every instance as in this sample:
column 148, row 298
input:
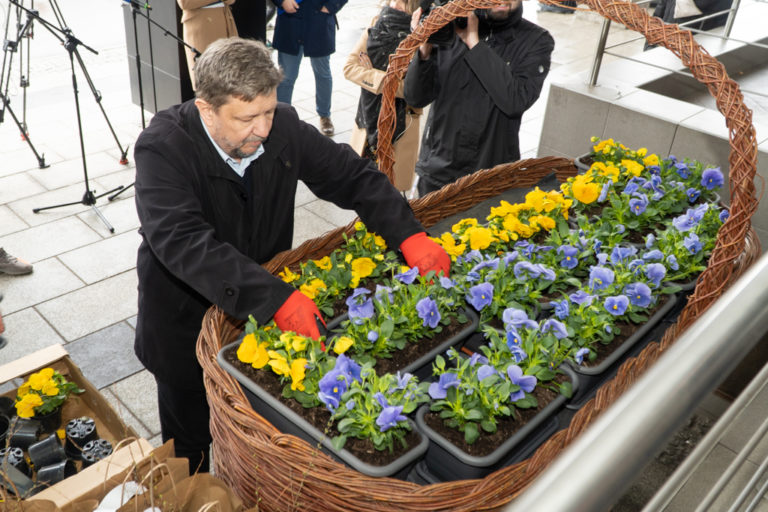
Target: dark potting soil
column 486, row 443
column 627, row 329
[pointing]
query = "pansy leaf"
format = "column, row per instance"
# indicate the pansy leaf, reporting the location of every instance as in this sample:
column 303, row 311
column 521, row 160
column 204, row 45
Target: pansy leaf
column 669, row 290
column 410, row 407
column 440, row 362
column 566, row 389
column 488, row 426
column 345, row 424
column 386, row 328
column 473, row 415
column 471, row 433
column 526, row 403
column 447, row 414
column 339, row 442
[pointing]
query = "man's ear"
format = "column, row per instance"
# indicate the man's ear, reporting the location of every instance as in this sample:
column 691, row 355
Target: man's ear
column 206, row 110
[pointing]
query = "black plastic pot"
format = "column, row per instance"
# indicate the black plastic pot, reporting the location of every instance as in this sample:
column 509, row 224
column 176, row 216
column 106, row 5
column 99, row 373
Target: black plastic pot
column 56, row 472
column 49, row 422
column 95, row 450
column 79, row 432
column 7, row 406
column 23, row 432
column 592, row 377
column 288, row 422
column 14, row 456
column 46, row 452
column 445, row 461
column 5, row 425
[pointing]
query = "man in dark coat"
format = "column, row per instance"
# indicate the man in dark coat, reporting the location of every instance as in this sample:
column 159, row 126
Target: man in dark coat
column 216, row 179
column 307, row 28
column 479, row 86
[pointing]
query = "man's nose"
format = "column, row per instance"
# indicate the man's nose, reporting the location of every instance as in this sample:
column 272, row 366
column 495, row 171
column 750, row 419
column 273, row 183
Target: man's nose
column 261, row 128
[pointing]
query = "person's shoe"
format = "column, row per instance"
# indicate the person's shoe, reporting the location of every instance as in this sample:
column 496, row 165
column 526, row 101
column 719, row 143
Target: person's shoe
column 12, row 265
column 326, row 126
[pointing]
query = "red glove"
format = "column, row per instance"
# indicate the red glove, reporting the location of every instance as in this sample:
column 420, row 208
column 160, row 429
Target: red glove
column 299, row 314
column 420, row 251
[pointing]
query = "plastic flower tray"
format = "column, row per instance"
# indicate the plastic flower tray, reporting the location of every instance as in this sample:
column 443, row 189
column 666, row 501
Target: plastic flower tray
column 445, row 461
column 289, row 422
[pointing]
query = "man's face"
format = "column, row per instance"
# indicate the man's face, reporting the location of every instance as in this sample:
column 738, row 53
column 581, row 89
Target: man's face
column 239, row 127
column 501, row 12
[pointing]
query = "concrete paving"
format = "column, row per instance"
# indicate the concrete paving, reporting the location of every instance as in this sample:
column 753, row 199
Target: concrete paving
column 82, row 293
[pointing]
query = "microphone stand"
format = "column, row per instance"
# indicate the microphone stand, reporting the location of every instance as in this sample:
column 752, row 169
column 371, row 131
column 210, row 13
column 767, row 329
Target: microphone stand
column 71, row 43
column 136, row 7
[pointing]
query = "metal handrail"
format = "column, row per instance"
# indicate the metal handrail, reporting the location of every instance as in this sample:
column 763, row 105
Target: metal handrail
column 596, row 470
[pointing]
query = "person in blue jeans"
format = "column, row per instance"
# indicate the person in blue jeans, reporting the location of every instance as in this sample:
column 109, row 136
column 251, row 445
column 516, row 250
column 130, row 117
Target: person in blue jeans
column 307, row 28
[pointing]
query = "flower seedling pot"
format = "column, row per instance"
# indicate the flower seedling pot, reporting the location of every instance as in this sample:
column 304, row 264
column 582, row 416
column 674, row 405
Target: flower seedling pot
column 47, row 451
column 79, row 432
column 5, row 425
column 56, row 472
column 592, row 377
column 583, row 162
column 49, row 422
column 95, row 450
column 14, row 456
column 7, row 406
column 23, row 432
column 289, row 422
column 445, row 461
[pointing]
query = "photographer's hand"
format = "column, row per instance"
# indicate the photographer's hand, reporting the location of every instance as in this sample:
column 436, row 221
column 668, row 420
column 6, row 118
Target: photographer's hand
column 470, row 34
column 290, row 6
column 426, row 48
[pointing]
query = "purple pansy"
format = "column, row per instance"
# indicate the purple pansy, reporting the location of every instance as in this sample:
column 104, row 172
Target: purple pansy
column 654, row 255
column 639, row 294
column 581, row 297
column 621, row 254
column 672, row 262
column 526, row 270
column 439, row 389
column 383, row 292
column 526, row 382
column 518, row 318
column 518, row 353
column 600, row 278
column 579, row 356
column 359, row 304
column 513, row 337
column 480, row 295
column 655, row 272
column 427, row 310
column 556, row 327
column 712, row 178
column 485, row 371
column 682, row 170
column 692, row 194
column 692, row 243
column 409, row 276
column 616, row 304
column 638, row 203
column 561, row 307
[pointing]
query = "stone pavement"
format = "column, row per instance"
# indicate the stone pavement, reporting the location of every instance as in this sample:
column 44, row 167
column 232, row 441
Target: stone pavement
column 83, row 290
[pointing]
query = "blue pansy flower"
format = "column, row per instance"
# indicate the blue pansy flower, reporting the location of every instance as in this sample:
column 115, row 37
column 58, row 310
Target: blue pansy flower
column 408, row 276
column 389, row 417
column 546, row 273
column 562, row 309
column 517, row 318
column 556, row 327
column 476, row 358
column 712, row 178
column 348, row 367
column 439, row 389
column 692, row 243
column 383, row 292
column 654, row 170
column 692, row 194
column 724, row 215
column 581, row 297
column 427, row 310
column 635, row 265
column 447, row 283
column 472, row 277
column 373, row 336
column 672, row 262
column 638, row 203
column 526, row 382
column 491, row 263
column 616, row 304
column 604, row 191
column 655, row 272
column 513, row 337
column 653, row 255
column 579, row 356
column 526, row 270
column 639, row 294
column 621, row 254
column 650, row 240
column 682, row 170
column 480, row 295
column 518, row 353
column 360, row 306
column 403, row 380
column 600, row 278
column 485, row 371
column 350, row 404
column 510, row 257
column 332, row 386
column 620, row 228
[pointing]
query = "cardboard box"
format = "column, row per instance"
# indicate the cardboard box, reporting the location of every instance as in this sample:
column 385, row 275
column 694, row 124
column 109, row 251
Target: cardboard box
column 90, row 403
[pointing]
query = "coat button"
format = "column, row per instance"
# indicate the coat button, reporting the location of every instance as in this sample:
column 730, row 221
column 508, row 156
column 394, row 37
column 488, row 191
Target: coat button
column 230, row 292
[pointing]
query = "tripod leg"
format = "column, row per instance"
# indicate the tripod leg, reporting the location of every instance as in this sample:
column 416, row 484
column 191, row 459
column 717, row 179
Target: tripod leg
column 103, row 218
column 40, row 158
column 113, row 196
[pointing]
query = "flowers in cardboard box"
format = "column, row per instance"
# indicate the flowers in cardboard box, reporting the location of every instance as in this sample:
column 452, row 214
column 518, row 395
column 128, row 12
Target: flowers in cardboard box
column 43, row 393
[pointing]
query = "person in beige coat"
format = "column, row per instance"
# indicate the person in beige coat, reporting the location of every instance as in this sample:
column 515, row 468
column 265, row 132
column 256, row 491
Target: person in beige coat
column 360, row 70
column 205, row 21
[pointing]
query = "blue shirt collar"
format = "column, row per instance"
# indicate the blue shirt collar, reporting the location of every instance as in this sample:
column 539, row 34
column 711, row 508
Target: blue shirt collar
column 238, row 167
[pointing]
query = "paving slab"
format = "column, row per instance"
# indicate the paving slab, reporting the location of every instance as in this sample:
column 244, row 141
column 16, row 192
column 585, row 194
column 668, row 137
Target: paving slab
column 106, row 356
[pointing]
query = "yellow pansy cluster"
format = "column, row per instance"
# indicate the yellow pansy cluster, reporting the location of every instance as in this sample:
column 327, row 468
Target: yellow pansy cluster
column 616, row 156
column 285, row 354
column 42, row 393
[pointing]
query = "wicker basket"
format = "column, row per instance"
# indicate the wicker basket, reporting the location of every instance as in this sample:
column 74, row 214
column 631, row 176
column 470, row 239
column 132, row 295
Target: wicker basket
column 281, row 472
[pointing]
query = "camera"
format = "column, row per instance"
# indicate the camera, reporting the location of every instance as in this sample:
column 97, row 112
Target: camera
column 444, row 36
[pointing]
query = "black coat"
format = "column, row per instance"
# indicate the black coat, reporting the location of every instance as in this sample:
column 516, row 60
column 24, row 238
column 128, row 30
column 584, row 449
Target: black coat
column 205, row 232
column 478, row 97
column 308, row 27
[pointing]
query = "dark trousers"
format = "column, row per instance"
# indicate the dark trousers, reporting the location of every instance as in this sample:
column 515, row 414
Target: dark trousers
column 184, row 417
column 426, row 185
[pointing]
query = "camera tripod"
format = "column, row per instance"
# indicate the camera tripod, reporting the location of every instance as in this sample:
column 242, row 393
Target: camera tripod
column 11, row 46
column 136, row 7
column 71, row 44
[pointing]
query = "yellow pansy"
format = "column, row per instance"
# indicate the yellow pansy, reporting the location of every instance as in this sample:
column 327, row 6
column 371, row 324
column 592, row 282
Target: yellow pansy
column 362, row 267
column 463, row 223
column 536, row 198
column 298, row 372
column 298, row 343
column 348, row 258
column 359, row 226
column 288, row 276
column 543, row 221
column 50, row 388
column 311, row 288
column 642, row 152
column 23, row 389
column 25, row 408
column 342, row 344
column 451, row 247
column 39, row 379
column 585, row 191
column 278, row 363
column 652, row 159
column 379, row 257
column 479, row 237
column 632, row 167
column 501, row 234
column 324, row 263
column 603, row 146
column 379, row 241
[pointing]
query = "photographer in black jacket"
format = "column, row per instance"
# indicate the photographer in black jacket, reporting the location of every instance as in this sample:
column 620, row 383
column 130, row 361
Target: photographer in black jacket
column 479, row 86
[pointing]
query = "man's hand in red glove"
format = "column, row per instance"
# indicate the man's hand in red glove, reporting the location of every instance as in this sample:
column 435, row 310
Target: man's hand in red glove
column 299, row 314
column 420, row 251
